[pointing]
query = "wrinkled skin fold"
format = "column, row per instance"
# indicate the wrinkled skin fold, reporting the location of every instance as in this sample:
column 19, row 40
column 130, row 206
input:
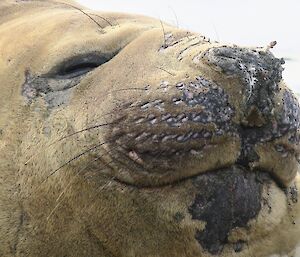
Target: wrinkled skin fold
column 123, row 136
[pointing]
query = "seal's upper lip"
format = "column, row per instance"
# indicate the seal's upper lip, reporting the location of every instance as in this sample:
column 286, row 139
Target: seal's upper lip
column 146, row 169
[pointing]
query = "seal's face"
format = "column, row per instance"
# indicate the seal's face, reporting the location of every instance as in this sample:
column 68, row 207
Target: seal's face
column 134, row 138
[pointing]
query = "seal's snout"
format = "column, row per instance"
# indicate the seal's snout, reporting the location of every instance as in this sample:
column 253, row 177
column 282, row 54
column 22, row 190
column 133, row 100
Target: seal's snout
column 190, row 127
column 269, row 112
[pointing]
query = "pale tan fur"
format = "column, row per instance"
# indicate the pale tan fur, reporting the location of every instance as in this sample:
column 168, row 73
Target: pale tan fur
column 74, row 213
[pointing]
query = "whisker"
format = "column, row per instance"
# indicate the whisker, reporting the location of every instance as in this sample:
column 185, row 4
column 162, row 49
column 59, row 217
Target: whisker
column 175, row 15
column 99, row 157
column 68, row 162
column 73, row 159
column 73, row 179
column 73, row 134
column 78, row 173
column 113, row 111
column 90, row 127
column 59, row 199
column 79, row 131
column 106, row 20
column 53, row 210
column 216, row 32
column 97, row 125
column 86, row 14
column 99, row 189
column 165, row 71
column 62, row 195
column 143, row 88
column 164, row 34
column 38, row 153
column 85, row 129
column 132, row 88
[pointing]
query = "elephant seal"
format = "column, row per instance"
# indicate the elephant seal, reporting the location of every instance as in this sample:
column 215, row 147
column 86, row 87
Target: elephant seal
column 124, row 136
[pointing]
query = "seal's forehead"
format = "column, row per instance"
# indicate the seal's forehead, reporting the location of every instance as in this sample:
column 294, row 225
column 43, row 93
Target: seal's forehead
column 9, row 9
column 10, row 4
column 12, row 9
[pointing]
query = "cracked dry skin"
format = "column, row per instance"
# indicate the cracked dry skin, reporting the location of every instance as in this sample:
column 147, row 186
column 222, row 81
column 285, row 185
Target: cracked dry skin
column 123, row 136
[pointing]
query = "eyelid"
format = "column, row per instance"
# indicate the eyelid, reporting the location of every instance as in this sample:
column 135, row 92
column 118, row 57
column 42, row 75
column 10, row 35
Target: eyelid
column 86, row 61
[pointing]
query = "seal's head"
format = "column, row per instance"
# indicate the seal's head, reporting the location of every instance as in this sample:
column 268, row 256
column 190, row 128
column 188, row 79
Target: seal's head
column 124, row 136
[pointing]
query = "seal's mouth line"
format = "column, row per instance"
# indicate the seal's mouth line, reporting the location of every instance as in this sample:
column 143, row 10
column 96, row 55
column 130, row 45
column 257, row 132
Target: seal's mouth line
column 183, row 180
column 152, row 181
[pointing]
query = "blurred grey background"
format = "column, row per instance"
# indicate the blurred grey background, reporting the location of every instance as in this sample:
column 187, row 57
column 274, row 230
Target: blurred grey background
column 247, row 23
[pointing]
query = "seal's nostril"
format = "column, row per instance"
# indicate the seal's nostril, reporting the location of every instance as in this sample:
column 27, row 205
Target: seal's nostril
column 254, row 118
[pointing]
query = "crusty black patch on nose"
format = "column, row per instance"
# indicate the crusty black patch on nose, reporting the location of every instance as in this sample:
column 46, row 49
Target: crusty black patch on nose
column 226, row 199
column 259, row 71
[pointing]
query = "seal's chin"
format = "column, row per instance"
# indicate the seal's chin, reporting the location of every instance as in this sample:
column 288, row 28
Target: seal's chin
column 226, row 199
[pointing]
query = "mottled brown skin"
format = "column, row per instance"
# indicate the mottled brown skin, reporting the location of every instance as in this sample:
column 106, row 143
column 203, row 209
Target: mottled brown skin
column 171, row 146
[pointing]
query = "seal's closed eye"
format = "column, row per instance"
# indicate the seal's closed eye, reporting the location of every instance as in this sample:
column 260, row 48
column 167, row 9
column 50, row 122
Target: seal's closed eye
column 62, row 77
column 79, row 65
column 79, row 69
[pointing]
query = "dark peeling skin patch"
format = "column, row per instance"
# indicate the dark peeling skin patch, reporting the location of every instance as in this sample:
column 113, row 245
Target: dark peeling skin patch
column 259, row 71
column 55, row 91
column 226, row 199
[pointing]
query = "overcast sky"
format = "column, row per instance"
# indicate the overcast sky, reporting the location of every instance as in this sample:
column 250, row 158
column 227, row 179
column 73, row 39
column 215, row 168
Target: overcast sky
column 244, row 22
